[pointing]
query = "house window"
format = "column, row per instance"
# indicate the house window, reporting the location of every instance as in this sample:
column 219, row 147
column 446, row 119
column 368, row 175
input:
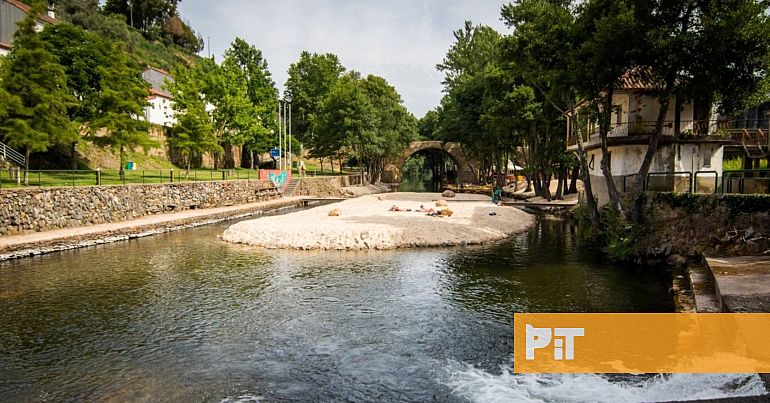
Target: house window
column 707, row 159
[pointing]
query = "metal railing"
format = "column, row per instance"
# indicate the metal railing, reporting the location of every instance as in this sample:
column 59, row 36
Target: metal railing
column 687, row 128
column 52, row 178
column 9, row 154
column 736, row 181
column 667, row 186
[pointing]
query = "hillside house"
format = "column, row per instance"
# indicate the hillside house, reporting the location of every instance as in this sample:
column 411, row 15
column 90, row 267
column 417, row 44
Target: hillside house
column 159, row 111
column 692, row 141
column 11, row 12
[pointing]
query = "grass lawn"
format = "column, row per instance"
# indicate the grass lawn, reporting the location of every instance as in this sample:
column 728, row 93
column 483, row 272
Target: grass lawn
column 51, row 178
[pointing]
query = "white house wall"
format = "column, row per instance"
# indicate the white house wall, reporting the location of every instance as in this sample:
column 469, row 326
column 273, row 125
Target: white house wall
column 160, row 112
column 685, row 157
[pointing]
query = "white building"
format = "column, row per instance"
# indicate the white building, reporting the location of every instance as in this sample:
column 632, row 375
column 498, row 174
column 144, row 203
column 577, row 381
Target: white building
column 159, row 111
column 692, row 142
column 13, row 11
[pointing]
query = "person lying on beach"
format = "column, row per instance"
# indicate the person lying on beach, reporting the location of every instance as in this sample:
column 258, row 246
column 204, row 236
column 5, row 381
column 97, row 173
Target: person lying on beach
column 422, row 209
column 396, row 208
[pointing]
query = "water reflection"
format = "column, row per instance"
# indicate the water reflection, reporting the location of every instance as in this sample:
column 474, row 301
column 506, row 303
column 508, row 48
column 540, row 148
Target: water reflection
column 184, row 316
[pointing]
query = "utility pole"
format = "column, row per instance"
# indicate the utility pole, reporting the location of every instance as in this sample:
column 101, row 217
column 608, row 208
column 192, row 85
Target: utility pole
column 131, row 12
column 290, row 166
column 280, row 145
column 209, row 38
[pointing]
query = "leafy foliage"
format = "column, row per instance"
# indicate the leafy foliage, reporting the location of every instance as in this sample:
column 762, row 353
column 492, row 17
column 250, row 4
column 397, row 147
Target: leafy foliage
column 120, row 107
column 38, row 97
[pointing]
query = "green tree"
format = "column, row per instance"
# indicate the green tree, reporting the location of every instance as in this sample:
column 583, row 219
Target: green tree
column 120, row 108
column 37, row 116
column 81, row 53
column 261, row 92
column 428, row 126
column 310, row 80
column 193, row 131
column 348, row 118
column 233, row 114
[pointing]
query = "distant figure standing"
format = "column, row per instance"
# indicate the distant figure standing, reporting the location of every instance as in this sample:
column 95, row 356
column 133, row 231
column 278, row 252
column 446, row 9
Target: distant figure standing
column 497, row 196
column 302, row 168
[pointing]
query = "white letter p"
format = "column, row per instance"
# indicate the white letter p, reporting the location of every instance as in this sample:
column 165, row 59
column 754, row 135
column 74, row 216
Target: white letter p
column 537, row 338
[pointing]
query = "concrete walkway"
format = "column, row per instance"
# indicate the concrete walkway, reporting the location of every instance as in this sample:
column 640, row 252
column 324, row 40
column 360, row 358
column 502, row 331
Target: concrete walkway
column 742, row 284
column 17, row 246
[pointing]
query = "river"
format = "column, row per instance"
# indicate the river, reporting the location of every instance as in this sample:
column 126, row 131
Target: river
column 184, row 317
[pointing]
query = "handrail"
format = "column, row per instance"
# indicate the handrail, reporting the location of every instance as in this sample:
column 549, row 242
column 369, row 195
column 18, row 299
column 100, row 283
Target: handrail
column 9, row 153
column 741, row 178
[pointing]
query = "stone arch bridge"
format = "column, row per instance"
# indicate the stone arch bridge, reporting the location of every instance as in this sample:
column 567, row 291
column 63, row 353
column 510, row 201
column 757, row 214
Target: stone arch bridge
column 466, row 169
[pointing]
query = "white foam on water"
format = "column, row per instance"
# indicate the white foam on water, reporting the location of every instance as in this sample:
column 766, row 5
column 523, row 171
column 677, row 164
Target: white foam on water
column 243, row 399
column 476, row 385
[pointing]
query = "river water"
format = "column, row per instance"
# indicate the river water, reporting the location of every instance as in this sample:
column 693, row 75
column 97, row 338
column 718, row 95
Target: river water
column 185, row 317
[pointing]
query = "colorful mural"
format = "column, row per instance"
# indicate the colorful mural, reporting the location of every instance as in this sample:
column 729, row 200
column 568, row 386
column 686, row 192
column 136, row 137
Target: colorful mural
column 279, row 178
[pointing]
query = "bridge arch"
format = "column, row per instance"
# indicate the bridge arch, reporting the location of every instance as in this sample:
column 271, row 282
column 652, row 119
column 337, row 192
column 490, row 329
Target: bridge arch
column 466, row 170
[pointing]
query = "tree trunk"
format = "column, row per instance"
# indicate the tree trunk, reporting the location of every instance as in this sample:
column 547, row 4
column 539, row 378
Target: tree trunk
column 361, row 168
column 559, row 187
column 604, row 122
column 637, row 188
column 593, row 208
column 73, row 156
column 122, row 172
column 573, row 180
column 187, row 172
column 251, row 158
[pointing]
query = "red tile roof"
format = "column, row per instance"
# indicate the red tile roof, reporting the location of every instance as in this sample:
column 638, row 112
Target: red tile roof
column 159, row 71
column 5, row 45
column 23, row 7
column 160, row 94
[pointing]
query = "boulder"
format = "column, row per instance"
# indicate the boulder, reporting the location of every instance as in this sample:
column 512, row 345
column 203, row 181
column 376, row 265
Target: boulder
column 440, row 203
column 448, row 193
column 335, row 213
column 676, row 260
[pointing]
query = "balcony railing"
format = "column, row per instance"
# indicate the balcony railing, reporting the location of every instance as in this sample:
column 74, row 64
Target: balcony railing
column 687, row 128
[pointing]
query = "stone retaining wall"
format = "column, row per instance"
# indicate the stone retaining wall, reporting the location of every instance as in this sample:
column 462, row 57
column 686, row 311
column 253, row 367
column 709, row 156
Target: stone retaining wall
column 27, row 210
column 330, row 186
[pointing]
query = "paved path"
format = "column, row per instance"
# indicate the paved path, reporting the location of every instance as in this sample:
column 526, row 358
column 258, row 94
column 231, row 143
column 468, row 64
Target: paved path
column 743, row 283
column 70, row 238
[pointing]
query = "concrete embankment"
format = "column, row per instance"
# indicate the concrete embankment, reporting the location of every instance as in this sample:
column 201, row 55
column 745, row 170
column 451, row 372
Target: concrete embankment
column 18, row 246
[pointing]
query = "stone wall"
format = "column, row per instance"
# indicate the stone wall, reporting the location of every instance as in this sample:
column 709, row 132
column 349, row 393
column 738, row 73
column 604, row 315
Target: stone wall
column 714, row 225
column 29, row 210
column 329, row 186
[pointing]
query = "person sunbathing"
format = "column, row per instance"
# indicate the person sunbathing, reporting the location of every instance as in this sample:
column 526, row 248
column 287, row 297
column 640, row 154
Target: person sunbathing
column 396, row 208
column 422, row 209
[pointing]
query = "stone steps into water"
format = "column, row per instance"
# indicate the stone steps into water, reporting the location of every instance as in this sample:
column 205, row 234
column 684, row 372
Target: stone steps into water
column 291, row 187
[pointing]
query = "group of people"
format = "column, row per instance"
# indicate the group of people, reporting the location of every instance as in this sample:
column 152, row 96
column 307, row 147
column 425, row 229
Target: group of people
column 422, row 209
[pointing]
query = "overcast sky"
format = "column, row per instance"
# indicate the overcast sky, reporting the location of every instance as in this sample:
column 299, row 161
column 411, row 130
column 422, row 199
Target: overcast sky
column 400, row 40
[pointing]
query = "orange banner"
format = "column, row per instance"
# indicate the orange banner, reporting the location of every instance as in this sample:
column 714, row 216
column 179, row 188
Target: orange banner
column 641, row 342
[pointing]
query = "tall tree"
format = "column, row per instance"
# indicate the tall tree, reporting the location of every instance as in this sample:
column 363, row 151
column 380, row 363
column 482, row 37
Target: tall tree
column 81, row 53
column 310, row 80
column 120, row 108
column 261, row 92
column 348, row 118
column 193, row 131
column 36, row 82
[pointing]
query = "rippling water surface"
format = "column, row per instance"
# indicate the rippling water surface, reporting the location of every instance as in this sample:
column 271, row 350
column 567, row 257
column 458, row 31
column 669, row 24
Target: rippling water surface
column 185, row 317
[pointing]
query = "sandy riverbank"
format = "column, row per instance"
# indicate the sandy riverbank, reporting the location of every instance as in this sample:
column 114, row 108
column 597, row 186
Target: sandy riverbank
column 366, row 223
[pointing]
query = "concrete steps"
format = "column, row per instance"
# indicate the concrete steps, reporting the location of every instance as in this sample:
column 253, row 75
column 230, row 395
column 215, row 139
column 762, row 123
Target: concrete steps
column 291, row 187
